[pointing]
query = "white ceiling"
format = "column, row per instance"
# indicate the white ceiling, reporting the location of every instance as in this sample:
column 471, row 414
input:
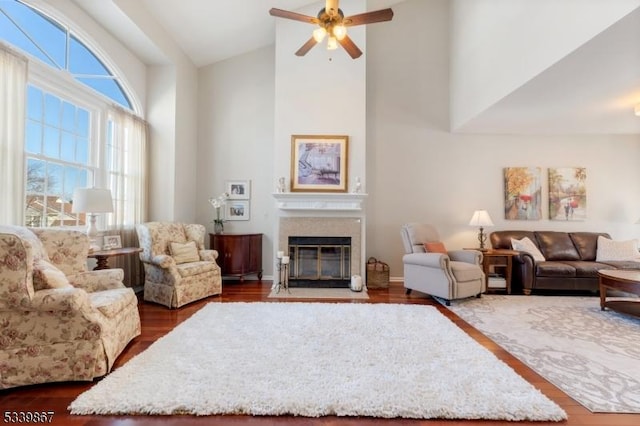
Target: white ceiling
column 591, row 91
column 208, row 31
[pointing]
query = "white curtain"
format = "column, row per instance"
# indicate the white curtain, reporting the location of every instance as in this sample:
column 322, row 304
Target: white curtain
column 128, row 176
column 13, row 86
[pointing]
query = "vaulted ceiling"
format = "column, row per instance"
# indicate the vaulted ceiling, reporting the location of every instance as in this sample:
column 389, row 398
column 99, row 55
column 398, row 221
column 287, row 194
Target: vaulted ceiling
column 590, row 91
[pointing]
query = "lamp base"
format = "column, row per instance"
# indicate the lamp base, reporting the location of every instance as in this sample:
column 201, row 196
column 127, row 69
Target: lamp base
column 482, row 238
column 92, row 233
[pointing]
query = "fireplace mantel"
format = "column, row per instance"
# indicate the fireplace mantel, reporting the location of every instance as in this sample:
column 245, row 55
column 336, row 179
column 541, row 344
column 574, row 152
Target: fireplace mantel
column 320, row 201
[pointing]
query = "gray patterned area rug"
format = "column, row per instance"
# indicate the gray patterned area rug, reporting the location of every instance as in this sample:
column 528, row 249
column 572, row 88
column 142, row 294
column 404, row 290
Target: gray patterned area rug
column 592, row 355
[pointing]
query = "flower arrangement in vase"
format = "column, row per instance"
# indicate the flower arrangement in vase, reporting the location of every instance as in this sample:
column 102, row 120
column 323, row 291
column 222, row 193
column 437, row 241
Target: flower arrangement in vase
column 217, row 203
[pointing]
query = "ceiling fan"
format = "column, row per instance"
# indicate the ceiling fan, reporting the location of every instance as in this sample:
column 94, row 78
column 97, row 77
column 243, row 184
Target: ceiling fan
column 332, row 23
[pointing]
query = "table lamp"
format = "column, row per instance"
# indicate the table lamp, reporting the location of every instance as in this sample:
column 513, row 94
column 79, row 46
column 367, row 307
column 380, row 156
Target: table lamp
column 481, row 218
column 92, row 201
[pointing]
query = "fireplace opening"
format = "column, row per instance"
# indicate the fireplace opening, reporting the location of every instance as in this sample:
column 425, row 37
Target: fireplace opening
column 319, row 261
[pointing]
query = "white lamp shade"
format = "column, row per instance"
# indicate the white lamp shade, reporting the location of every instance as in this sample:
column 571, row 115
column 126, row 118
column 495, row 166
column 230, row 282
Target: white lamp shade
column 92, row 200
column 481, row 218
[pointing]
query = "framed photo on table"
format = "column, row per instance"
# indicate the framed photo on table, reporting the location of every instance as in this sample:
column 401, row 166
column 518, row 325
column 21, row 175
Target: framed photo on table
column 239, row 189
column 319, row 163
column 237, row 210
column 111, row 242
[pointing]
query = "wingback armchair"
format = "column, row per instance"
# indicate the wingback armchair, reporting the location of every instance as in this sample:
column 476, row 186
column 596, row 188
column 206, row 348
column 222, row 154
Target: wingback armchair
column 60, row 322
column 454, row 275
column 178, row 269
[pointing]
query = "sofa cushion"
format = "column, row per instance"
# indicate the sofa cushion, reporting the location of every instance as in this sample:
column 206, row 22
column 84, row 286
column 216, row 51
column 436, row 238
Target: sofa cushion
column 586, row 243
column 527, row 246
column 111, row 302
column 555, row 269
column 435, row 247
column 556, row 245
column 184, row 252
column 616, row 250
column 588, row 269
column 502, row 239
column 195, row 268
column 464, row 271
column 621, row 264
column 46, row 275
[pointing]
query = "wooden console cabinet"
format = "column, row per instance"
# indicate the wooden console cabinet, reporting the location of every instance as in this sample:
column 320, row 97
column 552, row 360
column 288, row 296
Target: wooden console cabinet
column 238, row 254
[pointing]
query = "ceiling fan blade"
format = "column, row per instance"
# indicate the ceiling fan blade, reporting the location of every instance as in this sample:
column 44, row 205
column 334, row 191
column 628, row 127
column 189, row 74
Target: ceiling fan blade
column 351, row 48
column 306, row 47
column 368, row 17
column 292, row 15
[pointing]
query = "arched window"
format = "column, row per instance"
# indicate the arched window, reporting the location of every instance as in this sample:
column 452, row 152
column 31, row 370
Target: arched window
column 76, row 129
column 57, row 46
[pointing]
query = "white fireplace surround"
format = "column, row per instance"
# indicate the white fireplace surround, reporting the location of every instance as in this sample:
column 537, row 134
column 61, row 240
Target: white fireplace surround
column 323, row 215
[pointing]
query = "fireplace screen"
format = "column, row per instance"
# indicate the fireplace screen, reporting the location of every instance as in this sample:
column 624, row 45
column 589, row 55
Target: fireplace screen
column 319, row 261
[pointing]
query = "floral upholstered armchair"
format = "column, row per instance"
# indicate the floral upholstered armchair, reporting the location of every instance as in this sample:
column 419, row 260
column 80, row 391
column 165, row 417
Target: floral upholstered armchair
column 178, row 269
column 60, row 322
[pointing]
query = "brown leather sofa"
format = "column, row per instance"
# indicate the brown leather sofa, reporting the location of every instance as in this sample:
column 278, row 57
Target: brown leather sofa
column 570, row 260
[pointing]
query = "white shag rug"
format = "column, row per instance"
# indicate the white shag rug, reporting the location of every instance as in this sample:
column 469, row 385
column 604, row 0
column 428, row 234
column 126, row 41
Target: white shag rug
column 317, row 293
column 592, row 355
column 317, row 359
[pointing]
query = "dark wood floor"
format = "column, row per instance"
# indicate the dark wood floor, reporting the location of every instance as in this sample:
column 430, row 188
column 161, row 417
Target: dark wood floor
column 157, row 321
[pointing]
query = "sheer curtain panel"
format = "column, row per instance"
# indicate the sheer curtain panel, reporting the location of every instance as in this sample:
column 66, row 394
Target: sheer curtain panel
column 127, row 165
column 13, row 85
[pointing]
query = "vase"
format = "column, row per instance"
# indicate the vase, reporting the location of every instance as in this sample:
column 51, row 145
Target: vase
column 218, row 227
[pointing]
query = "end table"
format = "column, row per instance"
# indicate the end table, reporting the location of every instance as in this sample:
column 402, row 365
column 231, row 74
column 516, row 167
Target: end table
column 102, row 256
column 500, row 258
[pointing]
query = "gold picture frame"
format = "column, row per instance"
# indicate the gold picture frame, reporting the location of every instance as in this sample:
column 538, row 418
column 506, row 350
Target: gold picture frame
column 319, row 163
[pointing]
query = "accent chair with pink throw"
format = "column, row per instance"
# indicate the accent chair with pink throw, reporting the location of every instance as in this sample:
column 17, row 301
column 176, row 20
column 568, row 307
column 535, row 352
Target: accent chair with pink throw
column 60, row 321
column 455, row 274
column 178, row 269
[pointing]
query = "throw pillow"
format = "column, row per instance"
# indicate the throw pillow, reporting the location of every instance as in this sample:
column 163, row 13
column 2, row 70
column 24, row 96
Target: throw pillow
column 46, row 276
column 184, row 252
column 435, row 247
column 528, row 246
column 616, row 250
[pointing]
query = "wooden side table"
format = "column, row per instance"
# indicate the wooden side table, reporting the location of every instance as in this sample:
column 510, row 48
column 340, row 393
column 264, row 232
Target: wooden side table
column 500, row 258
column 102, row 256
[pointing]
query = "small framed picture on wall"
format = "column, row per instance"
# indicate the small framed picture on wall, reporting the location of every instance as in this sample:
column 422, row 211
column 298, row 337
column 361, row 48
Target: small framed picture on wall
column 239, row 189
column 237, row 210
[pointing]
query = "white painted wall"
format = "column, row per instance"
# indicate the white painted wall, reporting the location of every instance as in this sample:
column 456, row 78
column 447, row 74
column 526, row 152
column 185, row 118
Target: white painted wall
column 499, row 45
column 419, row 171
column 416, row 169
column 173, row 148
column 186, row 143
column 235, row 140
column 162, row 129
column 322, row 93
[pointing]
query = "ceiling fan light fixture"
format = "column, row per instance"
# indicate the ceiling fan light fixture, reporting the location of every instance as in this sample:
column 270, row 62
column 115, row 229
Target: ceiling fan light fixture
column 332, row 43
column 319, row 34
column 339, row 31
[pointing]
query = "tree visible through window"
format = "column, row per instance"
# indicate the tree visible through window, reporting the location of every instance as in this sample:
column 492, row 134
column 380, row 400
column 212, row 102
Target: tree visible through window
column 66, row 146
column 57, row 148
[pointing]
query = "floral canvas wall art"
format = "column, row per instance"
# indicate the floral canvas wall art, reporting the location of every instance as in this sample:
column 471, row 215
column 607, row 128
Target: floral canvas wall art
column 522, row 193
column 568, row 193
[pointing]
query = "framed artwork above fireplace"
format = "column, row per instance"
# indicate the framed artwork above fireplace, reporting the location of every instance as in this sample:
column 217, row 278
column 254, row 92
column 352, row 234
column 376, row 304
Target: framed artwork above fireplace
column 319, row 163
